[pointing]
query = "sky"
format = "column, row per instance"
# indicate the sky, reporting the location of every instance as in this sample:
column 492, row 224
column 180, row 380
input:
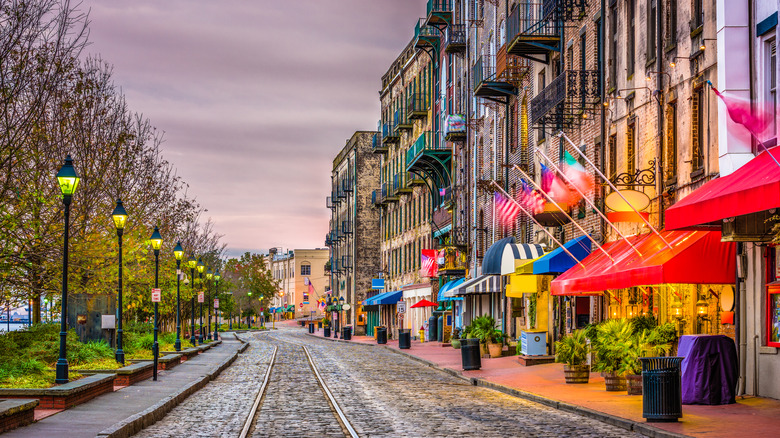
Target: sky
column 255, row 97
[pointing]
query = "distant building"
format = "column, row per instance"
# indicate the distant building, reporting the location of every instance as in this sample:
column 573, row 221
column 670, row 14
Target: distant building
column 294, row 270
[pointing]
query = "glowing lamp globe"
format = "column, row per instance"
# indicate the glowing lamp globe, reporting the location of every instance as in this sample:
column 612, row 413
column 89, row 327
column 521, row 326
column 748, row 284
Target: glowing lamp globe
column 156, row 239
column 178, row 251
column 119, row 215
column 67, row 177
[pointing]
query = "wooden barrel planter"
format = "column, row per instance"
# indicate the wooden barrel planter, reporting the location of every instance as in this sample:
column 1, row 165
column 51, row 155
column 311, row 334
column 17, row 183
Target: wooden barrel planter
column 615, row 382
column 634, row 384
column 576, row 373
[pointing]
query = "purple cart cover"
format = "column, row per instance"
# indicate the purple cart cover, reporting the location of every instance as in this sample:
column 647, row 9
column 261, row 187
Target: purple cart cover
column 709, row 370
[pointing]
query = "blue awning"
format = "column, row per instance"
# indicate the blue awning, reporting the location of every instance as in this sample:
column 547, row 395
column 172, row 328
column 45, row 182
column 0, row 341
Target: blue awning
column 389, row 297
column 441, row 231
column 558, row 261
column 491, row 264
column 448, row 287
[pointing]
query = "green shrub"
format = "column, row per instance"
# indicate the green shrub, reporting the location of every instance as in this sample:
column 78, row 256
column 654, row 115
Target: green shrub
column 572, row 349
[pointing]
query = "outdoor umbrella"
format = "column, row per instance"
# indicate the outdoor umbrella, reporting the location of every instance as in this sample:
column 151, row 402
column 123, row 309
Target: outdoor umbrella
column 423, row 303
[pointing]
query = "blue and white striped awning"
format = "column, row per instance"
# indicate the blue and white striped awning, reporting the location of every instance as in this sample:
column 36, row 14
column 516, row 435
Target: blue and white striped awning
column 518, row 251
column 484, row 284
column 446, row 287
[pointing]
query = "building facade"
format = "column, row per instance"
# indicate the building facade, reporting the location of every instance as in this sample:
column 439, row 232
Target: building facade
column 303, row 278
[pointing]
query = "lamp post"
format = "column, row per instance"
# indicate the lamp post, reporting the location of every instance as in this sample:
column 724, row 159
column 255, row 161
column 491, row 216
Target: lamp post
column 209, row 276
column 156, row 241
column 201, row 267
column 249, row 312
column 341, row 307
column 68, row 180
column 192, row 263
column 178, row 253
column 119, row 215
column 216, row 295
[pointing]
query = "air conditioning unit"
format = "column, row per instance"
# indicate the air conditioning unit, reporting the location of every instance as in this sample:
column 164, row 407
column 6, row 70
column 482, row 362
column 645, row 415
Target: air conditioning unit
column 533, row 343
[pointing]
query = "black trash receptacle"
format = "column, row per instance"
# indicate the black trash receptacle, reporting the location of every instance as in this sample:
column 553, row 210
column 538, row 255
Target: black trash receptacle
column 311, row 327
column 346, row 333
column 661, row 388
column 381, row 335
column 405, row 339
column 469, row 354
column 319, row 325
column 326, row 331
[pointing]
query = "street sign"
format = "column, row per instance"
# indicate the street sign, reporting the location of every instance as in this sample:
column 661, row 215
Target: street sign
column 216, row 303
column 201, row 297
column 401, row 307
column 156, row 295
column 377, row 283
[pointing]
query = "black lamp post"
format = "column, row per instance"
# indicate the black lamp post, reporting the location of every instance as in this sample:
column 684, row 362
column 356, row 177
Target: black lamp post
column 156, row 241
column 341, row 315
column 209, row 276
column 192, row 263
column 119, row 215
column 68, row 180
column 216, row 296
column 201, row 267
column 178, row 252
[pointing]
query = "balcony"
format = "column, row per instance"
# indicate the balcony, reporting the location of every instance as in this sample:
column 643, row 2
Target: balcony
column 487, row 84
column 328, row 241
column 400, row 184
column 346, row 262
column 566, row 99
column 335, row 266
column 346, row 227
column 401, row 122
column 386, row 196
column 376, row 144
column 376, row 198
column 430, row 157
column 533, row 30
column 454, row 262
column 414, row 180
column 455, row 38
column 347, row 185
column 418, row 105
column 388, row 133
column 460, row 236
column 439, row 13
column 329, row 202
column 455, row 127
column 426, row 37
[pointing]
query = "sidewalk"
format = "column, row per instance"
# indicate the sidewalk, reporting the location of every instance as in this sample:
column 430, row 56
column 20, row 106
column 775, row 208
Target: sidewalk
column 750, row 416
column 130, row 404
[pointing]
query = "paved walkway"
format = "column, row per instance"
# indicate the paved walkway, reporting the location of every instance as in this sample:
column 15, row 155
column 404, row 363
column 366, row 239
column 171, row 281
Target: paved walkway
column 750, row 416
column 100, row 413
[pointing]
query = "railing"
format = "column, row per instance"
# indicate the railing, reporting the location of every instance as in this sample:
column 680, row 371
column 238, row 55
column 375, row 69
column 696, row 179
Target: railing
column 346, row 262
column 346, row 185
column 455, row 37
column 484, row 69
column 384, row 191
column 418, row 105
column 346, row 227
column 533, row 19
column 438, row 6
column 376, row 198
column 575, row 85
column 376, row 142
column 329, row 202
column 424, row 31
column 399, row 182
column 427, row 141
column 328, row 242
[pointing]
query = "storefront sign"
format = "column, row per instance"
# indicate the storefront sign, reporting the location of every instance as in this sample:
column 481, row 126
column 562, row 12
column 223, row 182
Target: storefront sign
column 377, row 283
column 156, row 295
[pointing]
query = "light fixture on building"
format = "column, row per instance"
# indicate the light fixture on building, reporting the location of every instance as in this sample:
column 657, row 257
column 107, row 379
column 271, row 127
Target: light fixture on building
column 677, row 310
column 701, row 307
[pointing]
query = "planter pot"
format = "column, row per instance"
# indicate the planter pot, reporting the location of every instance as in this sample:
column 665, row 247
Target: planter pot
column 483, row 349
column 495, row 349
column 615, row 382
column 455, row 343
column 576, row 373
column 634, row 384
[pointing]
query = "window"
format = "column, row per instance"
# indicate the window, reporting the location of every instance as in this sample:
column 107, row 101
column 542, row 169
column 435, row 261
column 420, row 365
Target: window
column 671, row 22
column 542, row 83
column 570, row 56
column 512, row 128
column 697, row 15
column 631, row 149
column 697, row 128
column 652, row 26
column 770, row 76
column 306, row 269
column 671, row 143
column 612, row 155
column 630, row 41
column 613, row 46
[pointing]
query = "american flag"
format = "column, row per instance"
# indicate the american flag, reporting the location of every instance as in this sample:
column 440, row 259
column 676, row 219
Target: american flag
column 506, row 209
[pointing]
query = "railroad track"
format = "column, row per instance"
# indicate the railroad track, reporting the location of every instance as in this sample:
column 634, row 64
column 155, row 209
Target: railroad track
column 296, row 369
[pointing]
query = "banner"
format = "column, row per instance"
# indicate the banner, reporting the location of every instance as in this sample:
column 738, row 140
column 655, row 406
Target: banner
column 428, row 266
column 201, row 297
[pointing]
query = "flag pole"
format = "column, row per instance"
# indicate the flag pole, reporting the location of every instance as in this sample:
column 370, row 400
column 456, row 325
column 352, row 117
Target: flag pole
column 549, row 198
column 596, row 209
column 537, row 223
column 561, row 134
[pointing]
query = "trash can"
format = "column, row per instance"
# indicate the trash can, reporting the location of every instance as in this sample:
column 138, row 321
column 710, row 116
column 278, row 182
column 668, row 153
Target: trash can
column 346, row 333
column 469, row 354
column 303, row 323
column 311, row 327
column 319, row 325
column 326, row 331
column 381, row 335
column 661, row 388
column 433, row 330
column 405, row 339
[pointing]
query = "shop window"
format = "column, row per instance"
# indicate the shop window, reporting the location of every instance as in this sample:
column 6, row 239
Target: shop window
column 773, row 316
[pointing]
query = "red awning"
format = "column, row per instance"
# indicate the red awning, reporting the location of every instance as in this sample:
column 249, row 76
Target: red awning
column 752, row 188
column 698, row 257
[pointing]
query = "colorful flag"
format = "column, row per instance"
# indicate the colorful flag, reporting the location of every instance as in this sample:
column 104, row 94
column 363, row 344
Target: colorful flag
column 547, row 178
column 428, row 266
column 557, row 189
column 740, row 112
column 577, row 174
column 506, row 209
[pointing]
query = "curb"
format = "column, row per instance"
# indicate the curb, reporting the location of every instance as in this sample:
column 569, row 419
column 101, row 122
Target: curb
column 156, row 412
column 630, row 425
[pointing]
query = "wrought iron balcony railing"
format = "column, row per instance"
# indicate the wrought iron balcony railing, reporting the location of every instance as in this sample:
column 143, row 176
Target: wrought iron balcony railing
column 346, row 262
column 417, row 105
column 566, row 98
column 455, row 38
column 388, row 132
column 438, row 7
column 346, row 227
column 329, row 202
column 401, row 121
column 425, row 36
column 538, row 18
column 427, row 141
column 347, row 184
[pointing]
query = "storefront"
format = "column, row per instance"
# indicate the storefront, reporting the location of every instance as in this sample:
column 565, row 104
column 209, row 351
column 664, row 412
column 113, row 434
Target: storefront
column 385, row 315
column 415, row 317
column 454, row 304
column 514, row 257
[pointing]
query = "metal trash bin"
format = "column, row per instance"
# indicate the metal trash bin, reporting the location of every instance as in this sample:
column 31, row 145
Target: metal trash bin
column 405, row 339
column 661, row 388
column 311, row 327
column 326, row 331
column 346, row 333
column 381, row 335
column 470, row 355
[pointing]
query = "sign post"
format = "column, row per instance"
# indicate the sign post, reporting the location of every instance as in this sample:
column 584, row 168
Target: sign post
column 156, row 295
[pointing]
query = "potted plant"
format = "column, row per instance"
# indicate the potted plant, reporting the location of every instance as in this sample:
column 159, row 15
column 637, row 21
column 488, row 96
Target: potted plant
column 572, row 352
column 484, row 328
column 455, row 339
column 612, row 340
column 496, row 343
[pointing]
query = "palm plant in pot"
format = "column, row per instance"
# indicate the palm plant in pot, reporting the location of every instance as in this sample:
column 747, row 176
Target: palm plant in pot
column 572, row 352
column 643, row 343
column 455, row 339
column 612, row 340
column 490, row 339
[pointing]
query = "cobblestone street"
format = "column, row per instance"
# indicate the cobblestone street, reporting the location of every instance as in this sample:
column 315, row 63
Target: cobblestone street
column 383, row 394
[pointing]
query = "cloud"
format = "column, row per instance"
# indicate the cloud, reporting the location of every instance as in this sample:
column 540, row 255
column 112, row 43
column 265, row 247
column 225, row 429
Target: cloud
column 255, row 97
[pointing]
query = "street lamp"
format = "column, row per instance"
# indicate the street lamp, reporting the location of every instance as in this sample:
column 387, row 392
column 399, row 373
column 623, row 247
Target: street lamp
column 68, row 180
column 249, row 312
column 209, row 276
column 156, row 241
column 216, row 297
column 201, row 267
column 192, row 263
column 119, row 215
column 178, row 252
column 341, row 315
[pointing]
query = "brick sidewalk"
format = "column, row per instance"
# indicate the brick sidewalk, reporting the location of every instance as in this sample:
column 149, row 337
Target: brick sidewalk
column 750, row 416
